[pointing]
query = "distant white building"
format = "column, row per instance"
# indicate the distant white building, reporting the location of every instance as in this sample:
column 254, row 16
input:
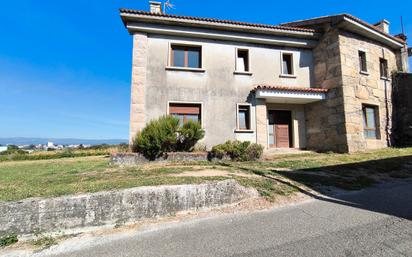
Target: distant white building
column 3, row 148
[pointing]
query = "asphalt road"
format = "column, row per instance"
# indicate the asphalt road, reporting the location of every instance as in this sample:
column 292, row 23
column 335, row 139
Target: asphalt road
column 374, row 222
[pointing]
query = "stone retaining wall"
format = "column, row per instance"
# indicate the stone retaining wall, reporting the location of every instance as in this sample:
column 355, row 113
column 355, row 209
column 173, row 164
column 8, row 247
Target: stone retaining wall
column 115, row 207
column 133, row 159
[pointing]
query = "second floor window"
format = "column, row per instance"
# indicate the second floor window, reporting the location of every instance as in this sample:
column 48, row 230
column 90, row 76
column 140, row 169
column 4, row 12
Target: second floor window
column 383, row 66
column 242, row 60
column 186, row 56
column 287, row 64
column 362, row 62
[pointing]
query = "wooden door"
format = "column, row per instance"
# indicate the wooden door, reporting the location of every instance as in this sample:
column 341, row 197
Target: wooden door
column 280, row 132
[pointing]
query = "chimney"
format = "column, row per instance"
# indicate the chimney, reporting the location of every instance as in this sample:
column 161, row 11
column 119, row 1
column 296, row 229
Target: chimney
column 383, row 25
column 155, row 7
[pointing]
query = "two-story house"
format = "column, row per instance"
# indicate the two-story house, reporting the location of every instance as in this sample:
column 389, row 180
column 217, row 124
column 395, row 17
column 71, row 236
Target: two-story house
column 321, row 84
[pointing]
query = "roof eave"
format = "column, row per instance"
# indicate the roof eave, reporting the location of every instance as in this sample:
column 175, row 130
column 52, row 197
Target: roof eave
column 365, row 30
column 128, row 17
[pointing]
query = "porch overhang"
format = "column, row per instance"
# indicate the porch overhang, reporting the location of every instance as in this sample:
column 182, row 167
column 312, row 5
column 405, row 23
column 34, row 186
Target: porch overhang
column 289, row 95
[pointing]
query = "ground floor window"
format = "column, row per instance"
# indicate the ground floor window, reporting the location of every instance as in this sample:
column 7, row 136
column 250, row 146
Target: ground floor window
column 370, row 121
column 243, row 116
column 185, row 112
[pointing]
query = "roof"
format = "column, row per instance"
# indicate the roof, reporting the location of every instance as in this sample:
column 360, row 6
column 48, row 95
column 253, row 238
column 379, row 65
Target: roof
column 217, row 21
column 338, row 18
column 289, row 89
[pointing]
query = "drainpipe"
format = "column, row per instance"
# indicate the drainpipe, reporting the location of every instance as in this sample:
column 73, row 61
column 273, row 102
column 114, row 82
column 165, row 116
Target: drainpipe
column 387, row 128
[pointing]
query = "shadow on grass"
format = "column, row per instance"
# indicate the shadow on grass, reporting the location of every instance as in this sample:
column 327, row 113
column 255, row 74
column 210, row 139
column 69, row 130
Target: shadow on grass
column 393, row 198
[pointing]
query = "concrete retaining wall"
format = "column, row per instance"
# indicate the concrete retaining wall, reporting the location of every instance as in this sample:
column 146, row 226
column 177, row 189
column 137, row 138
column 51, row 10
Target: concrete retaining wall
column 115, row 207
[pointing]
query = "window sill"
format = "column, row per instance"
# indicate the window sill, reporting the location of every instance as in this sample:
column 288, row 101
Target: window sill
column 290, row 76
column 364, row 73
column 385, row 78
column 246, row 73
column 185, row 69
column 244, row 131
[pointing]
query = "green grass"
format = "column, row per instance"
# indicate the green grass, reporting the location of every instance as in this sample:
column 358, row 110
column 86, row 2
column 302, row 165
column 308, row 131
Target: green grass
column 50, row 178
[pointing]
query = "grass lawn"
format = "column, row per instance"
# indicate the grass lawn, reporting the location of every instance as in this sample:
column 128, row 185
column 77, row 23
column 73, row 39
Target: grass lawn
column 278, row 175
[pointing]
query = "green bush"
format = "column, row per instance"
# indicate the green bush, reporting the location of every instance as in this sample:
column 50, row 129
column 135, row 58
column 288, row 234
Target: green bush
column 165, row 135
column 238, row 151
column 7, row 240
column 189, row 134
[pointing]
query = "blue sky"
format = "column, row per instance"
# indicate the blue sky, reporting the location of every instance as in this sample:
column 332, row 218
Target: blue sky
column 65, row 65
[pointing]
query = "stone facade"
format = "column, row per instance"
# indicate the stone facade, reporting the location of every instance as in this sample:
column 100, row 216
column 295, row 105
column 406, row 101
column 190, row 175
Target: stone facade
column 325, row 122
column 337, row 123
column 365, row 88
column 139, row 69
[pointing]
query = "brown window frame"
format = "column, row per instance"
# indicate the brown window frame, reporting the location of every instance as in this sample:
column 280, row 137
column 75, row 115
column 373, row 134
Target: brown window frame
column 186, row 49
column 383, row 68
column 248, row 116
column 363, row 64
column 185, row 109
column 292, row 68
column 376, row 119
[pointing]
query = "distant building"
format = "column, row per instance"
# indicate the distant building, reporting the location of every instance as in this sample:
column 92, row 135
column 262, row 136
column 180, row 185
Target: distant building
column 3, row 148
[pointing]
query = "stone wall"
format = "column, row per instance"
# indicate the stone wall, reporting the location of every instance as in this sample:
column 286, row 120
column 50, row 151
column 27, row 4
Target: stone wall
column 402, row 106
column 325, row 121
column 76, row 213
column 133, row 159
column 365, row 88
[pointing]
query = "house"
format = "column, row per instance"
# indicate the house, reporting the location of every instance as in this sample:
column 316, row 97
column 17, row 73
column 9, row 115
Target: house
column 321, row 84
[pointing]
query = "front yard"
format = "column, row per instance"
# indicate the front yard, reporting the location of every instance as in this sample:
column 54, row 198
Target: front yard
column 273, row 176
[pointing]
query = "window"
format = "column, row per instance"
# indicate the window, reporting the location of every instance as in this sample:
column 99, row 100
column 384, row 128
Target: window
column 383, row 65
column 362, row 61
column 287, row 64
column 185, row 112
column 243, row 117
column 369, row 121
column 186, row 56
column 242, row 60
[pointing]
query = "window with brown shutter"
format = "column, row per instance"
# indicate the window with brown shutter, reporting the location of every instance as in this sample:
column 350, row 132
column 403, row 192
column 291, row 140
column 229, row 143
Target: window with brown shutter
column 185, row 112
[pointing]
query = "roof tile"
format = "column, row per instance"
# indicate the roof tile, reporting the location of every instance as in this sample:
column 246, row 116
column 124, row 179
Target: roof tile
column 285, row 88
column 212, row 20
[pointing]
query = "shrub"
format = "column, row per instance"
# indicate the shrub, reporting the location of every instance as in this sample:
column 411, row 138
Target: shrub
column 238, row 151
column 7, row 240
column 253, row 152
column 165, row 135
column 189, row 134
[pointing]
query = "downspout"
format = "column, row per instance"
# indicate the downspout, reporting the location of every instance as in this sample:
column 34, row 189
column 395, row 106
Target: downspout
column 387, row 127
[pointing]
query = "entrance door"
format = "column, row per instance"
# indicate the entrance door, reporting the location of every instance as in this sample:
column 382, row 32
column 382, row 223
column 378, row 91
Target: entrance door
column 280, row 129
